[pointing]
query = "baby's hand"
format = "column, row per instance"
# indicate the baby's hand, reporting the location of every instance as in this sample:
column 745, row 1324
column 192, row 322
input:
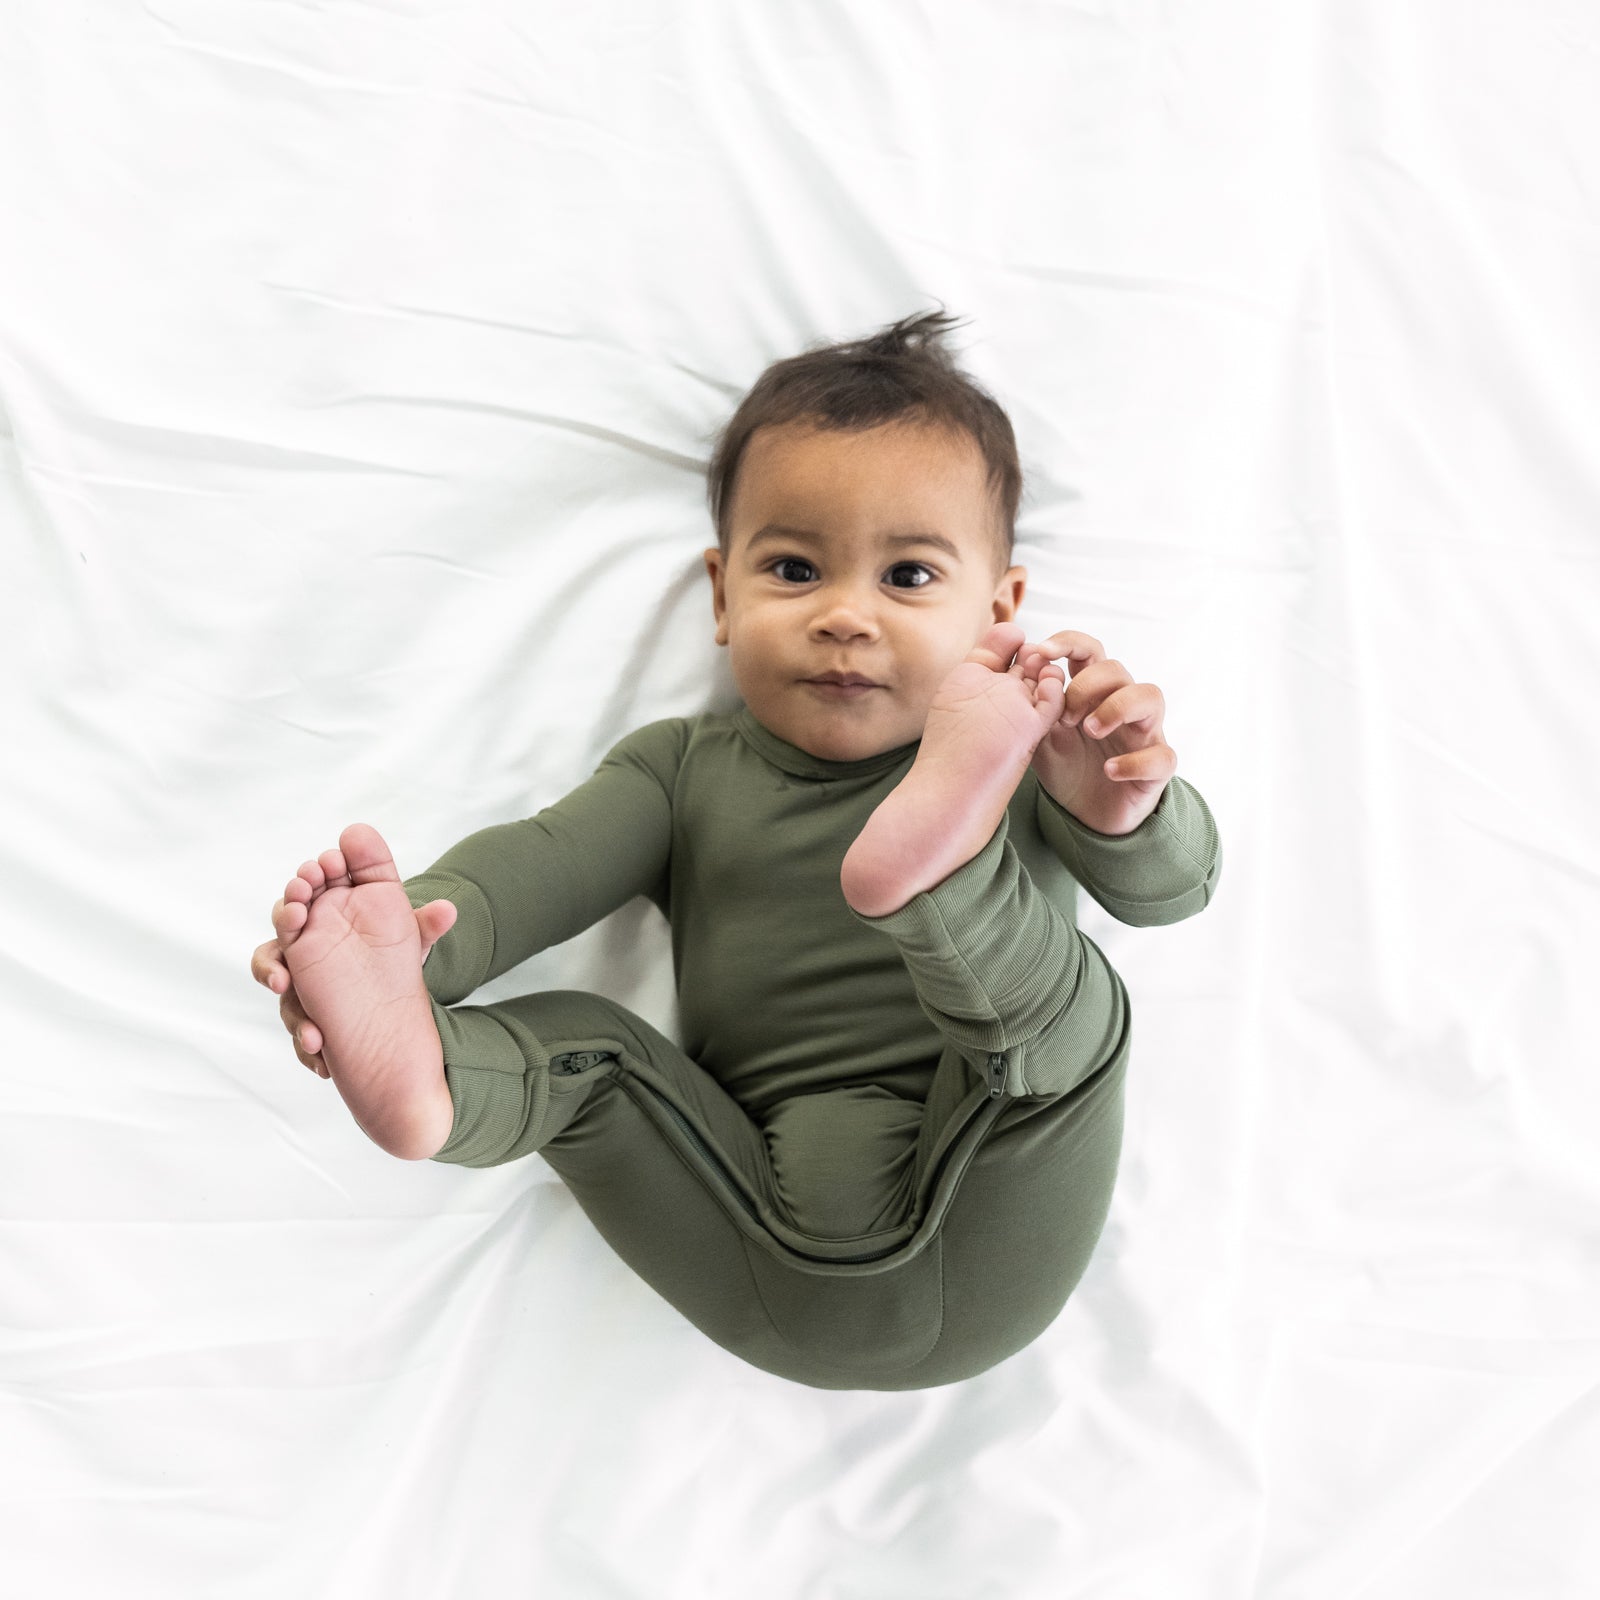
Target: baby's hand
column 289, row 915
column 1109, row 776
column 267, row 967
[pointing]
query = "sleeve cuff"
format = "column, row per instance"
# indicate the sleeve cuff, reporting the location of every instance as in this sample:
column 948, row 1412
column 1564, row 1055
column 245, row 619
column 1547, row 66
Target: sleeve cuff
column 455, row 965
column 1166, row 869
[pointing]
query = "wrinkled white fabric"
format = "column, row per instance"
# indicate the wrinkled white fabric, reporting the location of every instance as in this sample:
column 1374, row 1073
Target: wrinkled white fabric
column 359, row 366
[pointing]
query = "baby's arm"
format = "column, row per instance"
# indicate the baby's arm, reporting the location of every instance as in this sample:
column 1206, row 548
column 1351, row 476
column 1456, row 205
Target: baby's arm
column 521, row 887
column 511, row 890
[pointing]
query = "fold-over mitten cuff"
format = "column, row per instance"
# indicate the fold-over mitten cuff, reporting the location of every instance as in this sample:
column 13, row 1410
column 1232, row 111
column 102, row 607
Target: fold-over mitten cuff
column 456, row 965
column 1166, row 869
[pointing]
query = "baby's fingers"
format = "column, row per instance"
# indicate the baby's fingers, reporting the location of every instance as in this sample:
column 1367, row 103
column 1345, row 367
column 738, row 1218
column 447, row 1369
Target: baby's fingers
column 1034, row 663
column 306, row 1034
column 266, row 966
column 315, row 1062
column 1155, row 763
column 1074, row 645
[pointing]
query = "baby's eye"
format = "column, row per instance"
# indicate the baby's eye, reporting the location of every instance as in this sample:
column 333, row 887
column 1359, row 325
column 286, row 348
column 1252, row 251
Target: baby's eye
column 899, row 566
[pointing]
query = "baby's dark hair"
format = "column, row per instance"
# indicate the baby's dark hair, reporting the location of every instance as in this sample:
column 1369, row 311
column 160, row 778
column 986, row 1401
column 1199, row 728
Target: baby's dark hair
column 903, row 372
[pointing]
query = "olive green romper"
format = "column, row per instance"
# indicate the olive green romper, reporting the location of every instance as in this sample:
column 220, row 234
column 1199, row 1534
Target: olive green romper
column 883, row 1155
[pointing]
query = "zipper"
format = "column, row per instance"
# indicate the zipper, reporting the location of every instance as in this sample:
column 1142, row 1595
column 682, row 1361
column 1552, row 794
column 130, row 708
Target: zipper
column 997, row 1074
column 715, row 1164
column 712, row 1160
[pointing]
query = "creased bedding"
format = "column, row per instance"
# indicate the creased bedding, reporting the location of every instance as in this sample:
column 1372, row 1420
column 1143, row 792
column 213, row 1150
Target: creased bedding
column 358, row 368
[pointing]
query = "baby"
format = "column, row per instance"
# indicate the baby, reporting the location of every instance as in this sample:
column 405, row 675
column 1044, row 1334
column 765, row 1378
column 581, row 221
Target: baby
column 885, row 1149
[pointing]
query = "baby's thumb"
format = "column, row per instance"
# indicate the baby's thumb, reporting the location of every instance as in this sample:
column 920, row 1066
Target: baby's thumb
column 434, row 921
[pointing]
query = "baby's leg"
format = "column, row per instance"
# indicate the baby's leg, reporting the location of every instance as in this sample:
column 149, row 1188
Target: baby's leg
column 1027, row 1216
column 681, row 1183
column 654, row 1150
column 353, row 948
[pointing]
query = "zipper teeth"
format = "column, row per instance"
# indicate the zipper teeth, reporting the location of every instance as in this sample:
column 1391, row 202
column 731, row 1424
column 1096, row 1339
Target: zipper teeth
column 712, row 1159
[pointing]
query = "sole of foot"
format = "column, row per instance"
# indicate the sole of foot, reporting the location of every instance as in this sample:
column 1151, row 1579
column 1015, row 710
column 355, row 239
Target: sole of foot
column 356, row 962
column 986, row 720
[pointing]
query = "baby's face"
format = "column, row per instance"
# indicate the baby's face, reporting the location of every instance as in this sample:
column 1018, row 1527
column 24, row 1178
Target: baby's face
column 869, row 552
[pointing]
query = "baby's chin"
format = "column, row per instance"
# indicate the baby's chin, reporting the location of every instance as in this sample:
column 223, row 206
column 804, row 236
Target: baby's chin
column 833, row 736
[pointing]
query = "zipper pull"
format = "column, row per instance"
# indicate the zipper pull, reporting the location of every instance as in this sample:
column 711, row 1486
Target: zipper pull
column 997, row 1075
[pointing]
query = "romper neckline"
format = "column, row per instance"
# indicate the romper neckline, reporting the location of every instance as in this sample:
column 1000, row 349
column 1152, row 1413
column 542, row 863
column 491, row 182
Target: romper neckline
column 802, row 764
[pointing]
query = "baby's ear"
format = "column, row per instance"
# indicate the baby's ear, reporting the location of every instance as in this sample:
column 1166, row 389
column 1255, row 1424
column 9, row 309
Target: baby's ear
column 719, row 609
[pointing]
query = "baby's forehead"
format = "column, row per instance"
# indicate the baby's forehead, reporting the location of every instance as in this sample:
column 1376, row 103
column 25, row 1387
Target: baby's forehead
column 925, row 473
column 878, row 490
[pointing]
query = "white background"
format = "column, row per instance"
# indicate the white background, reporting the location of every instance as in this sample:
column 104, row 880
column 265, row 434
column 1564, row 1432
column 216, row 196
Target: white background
column 358, row 369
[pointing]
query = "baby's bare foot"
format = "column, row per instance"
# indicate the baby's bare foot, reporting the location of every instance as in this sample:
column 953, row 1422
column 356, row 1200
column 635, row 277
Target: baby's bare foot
column 353, row 949
column 985, row 723
column 268, row 968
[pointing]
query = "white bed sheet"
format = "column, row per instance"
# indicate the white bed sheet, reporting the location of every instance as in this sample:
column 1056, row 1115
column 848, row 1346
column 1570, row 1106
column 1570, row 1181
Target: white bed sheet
column 358, row 367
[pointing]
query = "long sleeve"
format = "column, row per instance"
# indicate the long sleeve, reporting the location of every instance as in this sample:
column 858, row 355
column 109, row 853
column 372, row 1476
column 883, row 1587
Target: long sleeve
column 520, row 887
column 1164, row 871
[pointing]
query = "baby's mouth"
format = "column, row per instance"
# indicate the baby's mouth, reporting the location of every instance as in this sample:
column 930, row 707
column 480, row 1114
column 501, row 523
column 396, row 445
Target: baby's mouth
column 846, row 680
column 833, row 690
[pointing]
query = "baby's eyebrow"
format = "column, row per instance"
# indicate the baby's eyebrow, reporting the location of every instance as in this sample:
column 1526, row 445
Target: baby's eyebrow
column 778, row 530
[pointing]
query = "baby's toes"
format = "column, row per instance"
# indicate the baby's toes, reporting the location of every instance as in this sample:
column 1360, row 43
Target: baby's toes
column 336, row 874
column 1049, row 694
column 1036, row 664
column 998, row 646
column 289, row 918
